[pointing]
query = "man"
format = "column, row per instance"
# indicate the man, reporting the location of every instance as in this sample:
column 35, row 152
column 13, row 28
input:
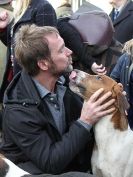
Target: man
column 122, row 17
column 46, row 129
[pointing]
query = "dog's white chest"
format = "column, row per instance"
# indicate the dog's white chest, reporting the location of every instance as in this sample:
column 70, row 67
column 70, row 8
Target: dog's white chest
column 113, row 153
column 14, row 171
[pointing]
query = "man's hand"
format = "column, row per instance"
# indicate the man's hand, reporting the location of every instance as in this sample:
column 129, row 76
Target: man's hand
column 4, row 19
column 98, row 69
column 96, row 107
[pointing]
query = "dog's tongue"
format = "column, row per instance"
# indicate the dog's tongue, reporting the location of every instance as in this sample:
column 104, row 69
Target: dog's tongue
column 72, row 75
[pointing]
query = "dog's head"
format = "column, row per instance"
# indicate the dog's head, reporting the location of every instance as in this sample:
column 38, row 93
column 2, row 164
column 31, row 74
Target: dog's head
column 85, row 85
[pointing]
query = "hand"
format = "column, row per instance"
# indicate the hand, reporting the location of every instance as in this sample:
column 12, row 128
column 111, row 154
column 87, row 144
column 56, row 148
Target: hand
column 96, row 107
column 4, row 19
column 98, row 69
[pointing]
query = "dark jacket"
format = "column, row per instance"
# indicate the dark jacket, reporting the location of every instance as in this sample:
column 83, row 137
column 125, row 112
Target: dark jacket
column 123, row 24
column 121, row 74
column 39, row 12
column 31, row 139
column 121, row 70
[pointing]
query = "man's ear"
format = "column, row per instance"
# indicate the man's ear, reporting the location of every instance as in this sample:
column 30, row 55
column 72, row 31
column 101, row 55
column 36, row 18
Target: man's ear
column 43, row 64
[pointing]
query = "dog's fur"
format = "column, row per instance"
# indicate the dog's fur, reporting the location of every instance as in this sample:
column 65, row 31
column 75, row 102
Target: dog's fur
column 113, row 151
column 9, row 169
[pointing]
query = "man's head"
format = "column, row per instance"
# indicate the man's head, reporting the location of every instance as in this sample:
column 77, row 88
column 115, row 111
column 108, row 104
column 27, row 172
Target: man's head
column 42, row 49
column 117, row 3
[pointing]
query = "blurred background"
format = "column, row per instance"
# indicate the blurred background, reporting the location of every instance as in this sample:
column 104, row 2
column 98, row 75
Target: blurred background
column 103, row 4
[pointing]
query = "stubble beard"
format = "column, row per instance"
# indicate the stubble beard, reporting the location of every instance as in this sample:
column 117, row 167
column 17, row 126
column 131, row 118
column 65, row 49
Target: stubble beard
column 57, row 73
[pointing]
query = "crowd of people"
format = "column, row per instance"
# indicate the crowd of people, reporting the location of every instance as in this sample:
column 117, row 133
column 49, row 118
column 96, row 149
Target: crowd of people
column 46, row 128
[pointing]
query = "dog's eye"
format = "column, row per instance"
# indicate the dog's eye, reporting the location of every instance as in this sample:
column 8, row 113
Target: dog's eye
column 98, row 78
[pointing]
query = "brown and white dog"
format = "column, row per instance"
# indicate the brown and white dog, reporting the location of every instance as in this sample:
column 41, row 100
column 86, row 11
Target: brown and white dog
column 9, row 169
column 113, row 151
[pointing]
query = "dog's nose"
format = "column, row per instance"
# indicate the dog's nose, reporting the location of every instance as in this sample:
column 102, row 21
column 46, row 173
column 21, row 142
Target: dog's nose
column 73, row 75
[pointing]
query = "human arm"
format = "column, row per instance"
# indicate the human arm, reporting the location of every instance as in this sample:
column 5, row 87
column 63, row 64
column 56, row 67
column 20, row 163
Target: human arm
column 116, row 72
column 42, row 144
column 48, row 152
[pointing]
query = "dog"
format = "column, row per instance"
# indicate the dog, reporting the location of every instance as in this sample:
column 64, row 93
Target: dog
column 113, row 150
column 9, row 169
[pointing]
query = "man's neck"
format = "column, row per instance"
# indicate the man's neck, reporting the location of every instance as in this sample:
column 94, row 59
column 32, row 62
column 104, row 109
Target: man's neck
column 47, row 81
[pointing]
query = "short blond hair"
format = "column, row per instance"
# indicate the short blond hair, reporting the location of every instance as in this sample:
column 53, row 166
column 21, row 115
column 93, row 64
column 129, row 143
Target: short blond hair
column 31, row 45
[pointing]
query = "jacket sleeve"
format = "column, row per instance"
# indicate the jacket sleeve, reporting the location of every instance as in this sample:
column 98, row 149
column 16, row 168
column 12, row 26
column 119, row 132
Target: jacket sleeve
column 115, row 74
column 45, row 16
column 51, row 156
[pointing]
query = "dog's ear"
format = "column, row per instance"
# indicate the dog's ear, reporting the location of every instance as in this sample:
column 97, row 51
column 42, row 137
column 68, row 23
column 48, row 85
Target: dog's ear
column 122, row 102
column 122, row 105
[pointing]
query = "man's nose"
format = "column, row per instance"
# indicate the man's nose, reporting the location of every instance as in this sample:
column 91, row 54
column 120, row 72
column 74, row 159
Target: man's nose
column 69, row 52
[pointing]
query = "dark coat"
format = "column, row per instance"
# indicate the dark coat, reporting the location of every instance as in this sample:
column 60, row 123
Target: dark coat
column 39, row 12
column 123, row 24
column 121, row 73
column 31, row 139
column 121, row 70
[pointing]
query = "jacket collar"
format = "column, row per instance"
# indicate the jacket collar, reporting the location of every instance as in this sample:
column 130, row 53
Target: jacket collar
column 21, row 90
column 125, row 13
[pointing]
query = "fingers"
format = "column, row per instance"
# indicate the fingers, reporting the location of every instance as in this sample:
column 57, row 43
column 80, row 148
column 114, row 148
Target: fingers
column 120, row 85
column 3, row 15
column 101, row 71
column 104, row 98
column 105, row 112
column 99, row 66
column 106, row 105
column 95, row 96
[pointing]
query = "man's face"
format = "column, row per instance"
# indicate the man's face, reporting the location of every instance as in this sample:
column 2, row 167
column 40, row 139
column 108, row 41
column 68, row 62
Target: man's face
column 61, row 60
column 117, row 3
